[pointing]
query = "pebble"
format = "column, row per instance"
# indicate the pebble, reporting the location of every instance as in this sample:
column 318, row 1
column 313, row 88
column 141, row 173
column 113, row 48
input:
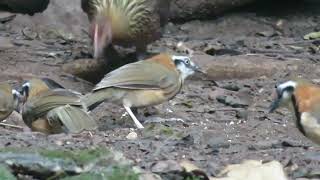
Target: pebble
column 132, row 136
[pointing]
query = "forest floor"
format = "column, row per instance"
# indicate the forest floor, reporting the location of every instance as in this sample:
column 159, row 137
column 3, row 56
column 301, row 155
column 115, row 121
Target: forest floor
column 209, row 124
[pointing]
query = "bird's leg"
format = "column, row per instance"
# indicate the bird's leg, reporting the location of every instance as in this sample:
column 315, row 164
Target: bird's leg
column 141, row 52
column 135, row 120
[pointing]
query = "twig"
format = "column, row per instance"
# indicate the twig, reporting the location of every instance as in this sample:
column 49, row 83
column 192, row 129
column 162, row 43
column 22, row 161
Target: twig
column 288, row 54
column 302, row 42
column 11, row 125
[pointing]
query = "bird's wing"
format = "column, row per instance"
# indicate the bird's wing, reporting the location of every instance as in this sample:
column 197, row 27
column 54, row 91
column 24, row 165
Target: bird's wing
column 72, row 118
column 140, row 75
column 37, row 107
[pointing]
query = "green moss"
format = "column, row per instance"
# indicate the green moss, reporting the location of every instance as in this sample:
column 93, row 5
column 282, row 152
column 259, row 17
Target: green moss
column 5, row 173
column 16, row 150
column 166, row 131
column 193, row 178
column 78, row 156
column 116, row 173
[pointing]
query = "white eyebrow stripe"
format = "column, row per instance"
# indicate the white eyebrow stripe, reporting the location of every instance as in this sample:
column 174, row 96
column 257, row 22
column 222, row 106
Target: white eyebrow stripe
column 27, row 84
column 288, row 84
column 179, row 57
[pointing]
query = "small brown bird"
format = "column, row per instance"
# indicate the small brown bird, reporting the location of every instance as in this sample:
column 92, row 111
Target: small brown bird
column 142, row 83
column 303, row 99
column 125, row 22
column 50, row 109
column 9, row 99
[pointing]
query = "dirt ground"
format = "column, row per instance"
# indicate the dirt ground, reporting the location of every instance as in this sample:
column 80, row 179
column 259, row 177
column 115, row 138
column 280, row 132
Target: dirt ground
column 210, row 125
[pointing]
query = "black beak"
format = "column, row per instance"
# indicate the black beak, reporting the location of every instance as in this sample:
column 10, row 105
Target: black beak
column 274, row 105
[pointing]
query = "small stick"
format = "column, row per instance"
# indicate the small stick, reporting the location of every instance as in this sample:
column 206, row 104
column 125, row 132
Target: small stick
column 11, row 125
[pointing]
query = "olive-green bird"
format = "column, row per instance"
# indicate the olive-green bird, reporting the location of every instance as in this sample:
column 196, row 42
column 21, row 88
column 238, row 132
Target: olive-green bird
column 9, row 99
column 143, row 83
column 50, row 109
column 125, row 22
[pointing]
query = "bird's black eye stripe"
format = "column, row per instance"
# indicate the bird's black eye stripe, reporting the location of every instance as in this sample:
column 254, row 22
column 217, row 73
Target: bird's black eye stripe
column 286, row 89
column 25, row 91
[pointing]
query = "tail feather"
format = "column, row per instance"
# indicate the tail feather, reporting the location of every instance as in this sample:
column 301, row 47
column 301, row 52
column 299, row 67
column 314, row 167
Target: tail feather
column 92, row 100
column 73, row 118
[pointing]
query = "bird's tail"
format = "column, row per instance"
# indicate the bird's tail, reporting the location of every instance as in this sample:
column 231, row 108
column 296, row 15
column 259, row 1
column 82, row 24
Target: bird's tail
column 74, row 119
column 92, row 100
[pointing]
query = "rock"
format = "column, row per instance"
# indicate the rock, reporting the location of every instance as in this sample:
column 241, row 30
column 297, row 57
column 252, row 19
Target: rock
column 312, row 35
column 166, row 166
column 242, row 114
column 182, row 10
column 149, row 176
column 132, row 136
column 242, row 67
column 267, row 33
column 234, row 102
column 6, row 16
column 61, row 17
column 231, row 87
column 24, row 6
column 5, row 43
column 91, row 70
column 253, row 170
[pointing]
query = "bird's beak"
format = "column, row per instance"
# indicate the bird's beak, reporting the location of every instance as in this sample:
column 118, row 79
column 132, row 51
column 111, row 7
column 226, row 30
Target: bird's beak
column 274, row 105
column 196, row 68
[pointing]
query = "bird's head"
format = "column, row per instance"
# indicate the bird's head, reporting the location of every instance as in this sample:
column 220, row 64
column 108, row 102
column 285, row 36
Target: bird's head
column 185, row 66
column 101, row 34
column 36, row 86
column 17, row 98
column 283, row 94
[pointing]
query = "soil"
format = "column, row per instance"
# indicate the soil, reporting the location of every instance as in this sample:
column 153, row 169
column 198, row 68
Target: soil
column 199, row 124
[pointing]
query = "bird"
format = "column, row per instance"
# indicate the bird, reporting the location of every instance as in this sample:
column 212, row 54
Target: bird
column 9, row 99
column 142, row 83
column 302, row 98
column 126, row 23
column 51, row 109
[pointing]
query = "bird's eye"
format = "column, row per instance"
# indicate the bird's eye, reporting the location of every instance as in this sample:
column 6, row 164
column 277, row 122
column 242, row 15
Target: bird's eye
column 187, row 61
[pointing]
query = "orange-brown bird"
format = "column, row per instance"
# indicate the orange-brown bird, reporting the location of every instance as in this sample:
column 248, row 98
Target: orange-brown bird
column 9, row 99
column 303, row 99
column 143, row 83
column 50, row 109
column 125, row 22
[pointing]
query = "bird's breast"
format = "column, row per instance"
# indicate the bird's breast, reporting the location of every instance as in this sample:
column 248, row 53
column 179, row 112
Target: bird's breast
column 42, row 125
column 142, row 98
column 311, row 126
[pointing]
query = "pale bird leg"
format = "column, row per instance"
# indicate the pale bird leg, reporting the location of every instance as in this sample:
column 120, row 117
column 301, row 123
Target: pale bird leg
column 135, row 120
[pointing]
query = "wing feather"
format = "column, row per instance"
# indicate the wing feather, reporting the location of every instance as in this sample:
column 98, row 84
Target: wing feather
column 139, row 75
